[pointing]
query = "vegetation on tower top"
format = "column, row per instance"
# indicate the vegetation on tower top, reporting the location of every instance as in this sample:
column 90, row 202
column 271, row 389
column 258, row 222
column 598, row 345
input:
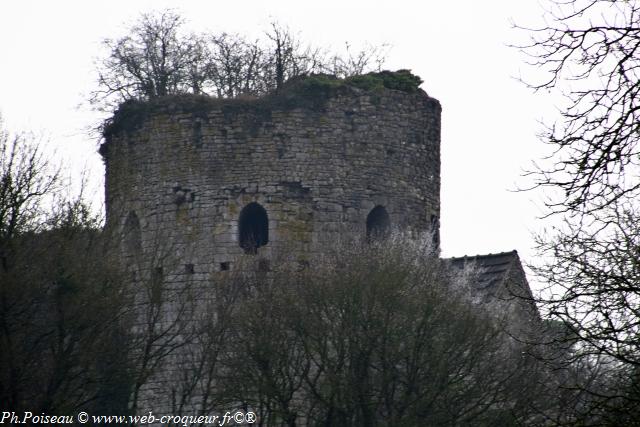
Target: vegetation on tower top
column 307, row 92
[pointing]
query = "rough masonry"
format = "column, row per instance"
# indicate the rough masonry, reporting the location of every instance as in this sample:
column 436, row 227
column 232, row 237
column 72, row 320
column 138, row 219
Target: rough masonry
column 204, row 174
column 193, row 183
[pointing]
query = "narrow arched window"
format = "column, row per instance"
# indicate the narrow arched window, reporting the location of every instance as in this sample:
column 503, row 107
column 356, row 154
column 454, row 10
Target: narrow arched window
column 435, row 231
column 253, row 228
column 131, row 235
column 378, row 223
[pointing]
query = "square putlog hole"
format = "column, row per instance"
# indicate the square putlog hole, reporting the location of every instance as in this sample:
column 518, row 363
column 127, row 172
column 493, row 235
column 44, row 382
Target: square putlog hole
column 225, row 266
column 264, row 265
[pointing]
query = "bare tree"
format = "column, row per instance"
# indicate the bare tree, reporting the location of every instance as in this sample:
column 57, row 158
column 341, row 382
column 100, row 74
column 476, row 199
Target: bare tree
column 26, row 178
column 589, row 51
column 157, row 58
column 154, row 59
column 353, row 63
column 199, row 65
column 594, row 45
column 371, row 334
column 287, row 57
column 163, row 322
column 235, row 66
column 59, row 295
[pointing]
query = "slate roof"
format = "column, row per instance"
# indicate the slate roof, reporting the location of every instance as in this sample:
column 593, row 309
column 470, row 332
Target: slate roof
column 493, row 268
column 500, row 279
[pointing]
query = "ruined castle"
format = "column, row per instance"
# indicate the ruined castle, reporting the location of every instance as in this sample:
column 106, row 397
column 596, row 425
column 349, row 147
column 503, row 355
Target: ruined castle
column 215, row 179
column 222, row 178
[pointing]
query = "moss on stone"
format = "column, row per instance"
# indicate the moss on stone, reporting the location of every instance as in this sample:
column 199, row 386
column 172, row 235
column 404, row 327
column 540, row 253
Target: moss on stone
column 233, row 209
column 401, row 80
column 297, row 230
column 305, row 92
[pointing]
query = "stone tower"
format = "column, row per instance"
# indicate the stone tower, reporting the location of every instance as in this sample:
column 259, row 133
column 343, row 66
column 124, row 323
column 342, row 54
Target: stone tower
column 214, row 179
column 193, row 183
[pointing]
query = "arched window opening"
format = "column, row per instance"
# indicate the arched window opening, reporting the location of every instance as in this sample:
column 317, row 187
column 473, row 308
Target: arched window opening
column 131, row 235
column 253, row 228
column 435, row 231
column 157, row 280
column 378, row 224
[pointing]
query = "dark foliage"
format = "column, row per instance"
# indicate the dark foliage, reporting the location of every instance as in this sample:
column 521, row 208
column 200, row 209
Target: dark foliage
column 375, row 334
column 60, row 300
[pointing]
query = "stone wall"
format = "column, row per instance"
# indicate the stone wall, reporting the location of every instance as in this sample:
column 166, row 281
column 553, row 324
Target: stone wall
column 184, row 174
column 181, row 171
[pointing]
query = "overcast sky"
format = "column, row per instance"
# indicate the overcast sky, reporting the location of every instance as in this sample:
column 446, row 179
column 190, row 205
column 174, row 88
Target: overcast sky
column 460, row 49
